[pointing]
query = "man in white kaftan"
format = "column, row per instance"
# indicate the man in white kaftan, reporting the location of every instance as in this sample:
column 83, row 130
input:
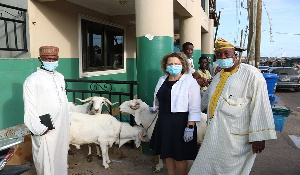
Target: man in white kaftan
column 239, row 113
column 44, row 93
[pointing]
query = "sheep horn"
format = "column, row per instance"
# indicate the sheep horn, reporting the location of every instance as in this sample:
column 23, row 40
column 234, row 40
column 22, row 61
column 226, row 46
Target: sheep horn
column 106, row 106
column 111, row 104
column 143, row 139
column 135, row 107
column 141, row 135
column 146, row 139
column 88, row 99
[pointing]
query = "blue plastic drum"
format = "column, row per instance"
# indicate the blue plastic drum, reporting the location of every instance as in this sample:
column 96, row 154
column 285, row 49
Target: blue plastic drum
column 271, row 80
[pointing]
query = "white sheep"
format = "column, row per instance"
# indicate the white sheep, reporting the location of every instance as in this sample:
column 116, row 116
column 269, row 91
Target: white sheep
column 93, row 107
column 104, row 130
column 143, row 116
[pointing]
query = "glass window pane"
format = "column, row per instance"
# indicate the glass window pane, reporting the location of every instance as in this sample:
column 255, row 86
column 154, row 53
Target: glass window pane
column 285, row 71
column 103, row 47
column 95, row 50
column 114, row 48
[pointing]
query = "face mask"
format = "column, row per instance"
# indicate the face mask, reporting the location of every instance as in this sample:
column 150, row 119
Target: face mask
column 225, row 63
column 174, row 70
column 50, row 66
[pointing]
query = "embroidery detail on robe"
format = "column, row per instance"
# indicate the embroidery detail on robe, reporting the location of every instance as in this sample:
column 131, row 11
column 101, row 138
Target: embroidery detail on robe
column 216, row 96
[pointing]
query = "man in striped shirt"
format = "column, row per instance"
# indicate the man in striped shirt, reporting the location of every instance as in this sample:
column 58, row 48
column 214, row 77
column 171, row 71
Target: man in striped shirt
column 240, row 117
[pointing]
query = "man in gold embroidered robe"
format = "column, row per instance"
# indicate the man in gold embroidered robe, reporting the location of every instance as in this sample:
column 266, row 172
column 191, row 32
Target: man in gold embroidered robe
column 240, row 117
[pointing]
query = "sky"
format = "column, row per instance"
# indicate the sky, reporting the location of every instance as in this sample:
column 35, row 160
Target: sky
column 280, row 36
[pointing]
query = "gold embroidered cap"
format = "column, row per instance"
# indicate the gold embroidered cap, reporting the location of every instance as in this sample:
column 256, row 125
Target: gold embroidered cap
column 223, row 44
column 49, row 51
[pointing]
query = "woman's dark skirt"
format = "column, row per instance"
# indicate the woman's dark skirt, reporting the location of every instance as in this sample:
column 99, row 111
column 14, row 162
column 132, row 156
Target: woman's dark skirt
column 167, row 138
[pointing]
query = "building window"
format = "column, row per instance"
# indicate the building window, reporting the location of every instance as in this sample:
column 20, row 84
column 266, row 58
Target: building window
column 102, row 47
column 13, row 28
column 203, row 5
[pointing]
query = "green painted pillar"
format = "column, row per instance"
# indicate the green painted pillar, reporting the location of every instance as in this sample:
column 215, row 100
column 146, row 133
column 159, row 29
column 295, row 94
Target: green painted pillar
column 190, row 31
column 149, row 54
column 150, row 50
column 158, row 25
column 196, row 55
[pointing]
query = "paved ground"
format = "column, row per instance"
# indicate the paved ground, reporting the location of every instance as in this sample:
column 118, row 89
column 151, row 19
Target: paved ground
column 133, row 164
column 281, row 156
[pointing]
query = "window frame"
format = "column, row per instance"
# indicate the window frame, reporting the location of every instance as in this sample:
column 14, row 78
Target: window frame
column 22, row 22
column 80, row 44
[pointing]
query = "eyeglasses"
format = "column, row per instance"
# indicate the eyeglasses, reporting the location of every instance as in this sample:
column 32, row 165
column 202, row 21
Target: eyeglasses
column 173, row 64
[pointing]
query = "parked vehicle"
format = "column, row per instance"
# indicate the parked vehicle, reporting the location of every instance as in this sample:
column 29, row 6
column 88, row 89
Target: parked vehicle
column 6, row 151
column 264, row 69
column 288, row 77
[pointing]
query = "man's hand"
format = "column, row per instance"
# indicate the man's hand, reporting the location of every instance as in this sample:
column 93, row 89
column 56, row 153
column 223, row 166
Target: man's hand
column 257, row 146
column 205, row 82
column 196, row 75
column 202, row 81
column 46, row 132
column 217, row 70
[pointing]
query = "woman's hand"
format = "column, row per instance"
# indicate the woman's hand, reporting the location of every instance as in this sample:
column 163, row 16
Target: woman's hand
column 188, row 134
column 151, row 109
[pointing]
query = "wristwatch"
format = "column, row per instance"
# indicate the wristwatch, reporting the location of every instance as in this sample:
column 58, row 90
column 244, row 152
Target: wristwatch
column 191, row 126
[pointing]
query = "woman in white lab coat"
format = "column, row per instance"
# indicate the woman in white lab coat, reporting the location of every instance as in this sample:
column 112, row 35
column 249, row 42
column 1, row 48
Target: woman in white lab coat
column 177, row 98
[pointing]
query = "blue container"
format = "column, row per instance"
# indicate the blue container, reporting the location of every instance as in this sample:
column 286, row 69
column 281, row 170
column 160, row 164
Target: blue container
column 279, row 122
column 271, row 80
column 277, row 100
column 281, row 110
column 272, row 100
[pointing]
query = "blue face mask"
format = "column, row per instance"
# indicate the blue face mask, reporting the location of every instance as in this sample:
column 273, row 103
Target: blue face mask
column 225, row 63
column 174, row 70
column 50, row 66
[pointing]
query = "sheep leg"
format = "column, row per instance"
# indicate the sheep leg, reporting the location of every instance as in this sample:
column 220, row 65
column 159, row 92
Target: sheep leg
column 103, row 146
column 98, row 151
column 159, row 166
column 90, row 157
column 70, row 152
column 107, row 158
